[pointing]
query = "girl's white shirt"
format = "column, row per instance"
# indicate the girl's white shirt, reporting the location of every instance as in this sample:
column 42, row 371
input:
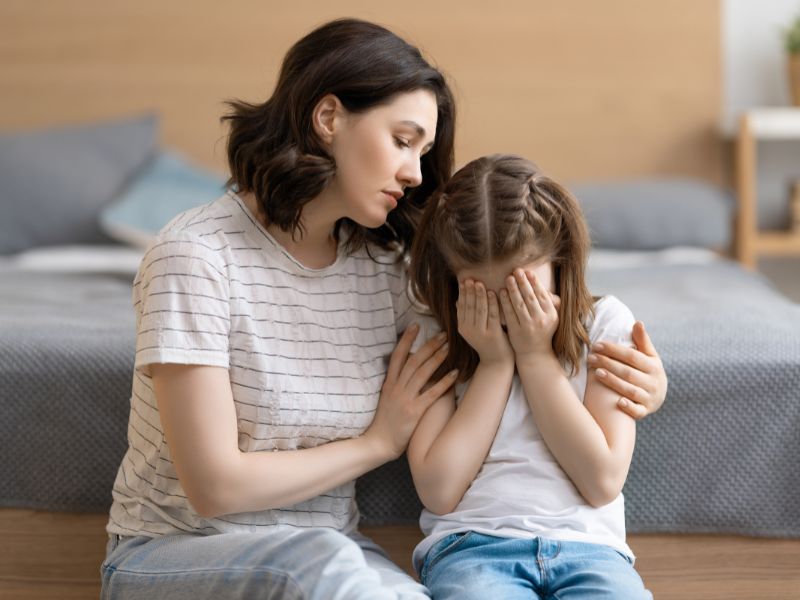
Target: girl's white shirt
column 521, row 491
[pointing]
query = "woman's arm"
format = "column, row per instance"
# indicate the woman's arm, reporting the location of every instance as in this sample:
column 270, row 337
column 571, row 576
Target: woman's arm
column 635, row 375
column 591, row 440
column 199, row 419
column 450, row 444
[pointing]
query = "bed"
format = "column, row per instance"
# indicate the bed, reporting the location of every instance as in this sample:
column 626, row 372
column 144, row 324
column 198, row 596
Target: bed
column 721, row 456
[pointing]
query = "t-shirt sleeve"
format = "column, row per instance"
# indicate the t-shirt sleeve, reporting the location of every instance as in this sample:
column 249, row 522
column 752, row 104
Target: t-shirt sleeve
column 407, row 311
column 613, row 322
column 182, row 303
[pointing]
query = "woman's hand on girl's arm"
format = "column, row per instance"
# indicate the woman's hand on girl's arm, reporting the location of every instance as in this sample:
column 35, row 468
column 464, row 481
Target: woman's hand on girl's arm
column 199, row 421
column 405, row 395
column 635, row 374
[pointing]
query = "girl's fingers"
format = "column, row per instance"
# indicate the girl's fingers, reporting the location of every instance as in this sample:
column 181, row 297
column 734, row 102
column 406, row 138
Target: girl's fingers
column 508, row 310
column 470, row 303
column 542, row 295
column 481, row 306
column 528, row 295
column 493, row 307
column 516, row 299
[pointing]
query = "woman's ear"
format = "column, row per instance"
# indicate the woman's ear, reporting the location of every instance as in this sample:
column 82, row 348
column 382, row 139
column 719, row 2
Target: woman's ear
column 325, row 117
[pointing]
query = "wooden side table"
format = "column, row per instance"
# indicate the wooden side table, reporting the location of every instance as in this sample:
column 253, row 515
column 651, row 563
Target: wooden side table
column 754, row 126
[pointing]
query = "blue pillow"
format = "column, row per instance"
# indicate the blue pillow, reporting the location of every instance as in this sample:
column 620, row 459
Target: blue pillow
column 55, row 182
column 650, row 214
column 165, row 188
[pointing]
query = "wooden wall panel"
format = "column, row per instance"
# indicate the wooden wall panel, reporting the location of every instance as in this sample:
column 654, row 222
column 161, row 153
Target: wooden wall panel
column 590, row 90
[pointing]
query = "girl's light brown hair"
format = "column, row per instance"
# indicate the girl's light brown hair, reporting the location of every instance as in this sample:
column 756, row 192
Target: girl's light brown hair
column 493, row 209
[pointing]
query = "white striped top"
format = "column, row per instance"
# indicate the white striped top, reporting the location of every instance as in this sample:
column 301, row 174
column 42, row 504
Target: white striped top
column 306, row 350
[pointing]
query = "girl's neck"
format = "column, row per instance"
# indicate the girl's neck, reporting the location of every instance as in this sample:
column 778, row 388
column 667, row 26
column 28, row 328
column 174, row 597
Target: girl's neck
column 314, row 247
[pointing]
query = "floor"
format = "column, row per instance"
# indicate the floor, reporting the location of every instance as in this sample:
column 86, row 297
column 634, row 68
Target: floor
column 57, row 555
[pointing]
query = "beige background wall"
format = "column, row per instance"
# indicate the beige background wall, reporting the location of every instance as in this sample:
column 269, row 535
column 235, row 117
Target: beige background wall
column 590, row 90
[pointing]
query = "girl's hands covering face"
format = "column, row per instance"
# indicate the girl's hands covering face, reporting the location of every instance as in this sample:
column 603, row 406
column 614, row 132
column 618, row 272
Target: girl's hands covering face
column 479, row 322
column 531, row 315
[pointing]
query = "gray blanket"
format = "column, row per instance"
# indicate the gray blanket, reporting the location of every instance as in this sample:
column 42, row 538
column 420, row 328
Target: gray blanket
column 721, row 455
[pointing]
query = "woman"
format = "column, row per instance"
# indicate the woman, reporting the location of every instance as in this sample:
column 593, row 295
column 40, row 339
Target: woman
column 264, row 322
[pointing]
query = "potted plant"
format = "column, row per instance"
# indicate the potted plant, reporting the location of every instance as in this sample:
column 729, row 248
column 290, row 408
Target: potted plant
column 791, row 41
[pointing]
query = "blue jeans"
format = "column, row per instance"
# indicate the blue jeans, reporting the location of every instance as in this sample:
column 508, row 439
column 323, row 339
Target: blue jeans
column 471, row 566
column 290, row 563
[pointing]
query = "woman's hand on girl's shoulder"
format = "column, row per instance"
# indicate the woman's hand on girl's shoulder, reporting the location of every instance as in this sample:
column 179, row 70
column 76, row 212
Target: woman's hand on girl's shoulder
column 636, row 374
column 478, row 313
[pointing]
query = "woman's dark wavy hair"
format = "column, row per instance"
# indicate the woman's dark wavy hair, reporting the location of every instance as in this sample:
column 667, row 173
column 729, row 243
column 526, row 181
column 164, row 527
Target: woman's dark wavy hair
column 274, row 152
column 493, row 209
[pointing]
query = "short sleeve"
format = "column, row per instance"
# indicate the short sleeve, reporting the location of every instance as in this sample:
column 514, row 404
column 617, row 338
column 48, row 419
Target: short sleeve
column 182, row 302
column 404, row 310
column 613, row 322
column 407, row 311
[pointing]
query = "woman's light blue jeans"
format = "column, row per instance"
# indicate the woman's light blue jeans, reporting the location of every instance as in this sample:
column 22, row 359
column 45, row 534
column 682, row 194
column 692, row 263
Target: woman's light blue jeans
column 473, row 566
column 290, row 563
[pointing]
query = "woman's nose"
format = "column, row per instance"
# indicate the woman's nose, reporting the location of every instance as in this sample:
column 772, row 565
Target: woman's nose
column 411, row 173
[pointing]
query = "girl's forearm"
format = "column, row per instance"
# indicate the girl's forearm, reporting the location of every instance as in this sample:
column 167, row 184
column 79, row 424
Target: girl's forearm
column 571, row 433
column 456, row 455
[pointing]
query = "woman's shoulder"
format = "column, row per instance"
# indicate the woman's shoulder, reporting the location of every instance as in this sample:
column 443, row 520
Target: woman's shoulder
column 205, row 219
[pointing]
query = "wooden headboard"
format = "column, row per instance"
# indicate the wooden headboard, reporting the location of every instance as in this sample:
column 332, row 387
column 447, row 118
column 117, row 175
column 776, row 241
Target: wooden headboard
column 589, row 90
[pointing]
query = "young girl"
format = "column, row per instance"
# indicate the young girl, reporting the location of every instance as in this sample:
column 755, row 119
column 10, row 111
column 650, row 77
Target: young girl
column 269, row 374
column 521, row 467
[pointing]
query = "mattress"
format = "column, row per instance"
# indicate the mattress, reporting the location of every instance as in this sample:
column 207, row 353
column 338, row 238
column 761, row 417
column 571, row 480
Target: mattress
column 720, row 456
column 66, row 358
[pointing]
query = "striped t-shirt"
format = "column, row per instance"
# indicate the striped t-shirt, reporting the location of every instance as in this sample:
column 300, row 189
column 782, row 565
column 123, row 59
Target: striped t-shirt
column 306, row 350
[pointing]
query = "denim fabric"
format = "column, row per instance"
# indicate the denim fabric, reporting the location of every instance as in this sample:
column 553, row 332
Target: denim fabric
column 287, row 564
column 473, row 566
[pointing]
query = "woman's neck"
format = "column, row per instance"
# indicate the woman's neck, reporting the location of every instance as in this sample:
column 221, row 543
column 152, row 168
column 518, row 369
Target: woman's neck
column 314, row 247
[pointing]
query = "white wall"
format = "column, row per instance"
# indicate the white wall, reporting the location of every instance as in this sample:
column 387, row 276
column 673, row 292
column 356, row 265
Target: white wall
column 754, row 75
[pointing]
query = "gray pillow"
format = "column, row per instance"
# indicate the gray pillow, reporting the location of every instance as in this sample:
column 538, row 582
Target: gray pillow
column 55, row 182
column 649, row 214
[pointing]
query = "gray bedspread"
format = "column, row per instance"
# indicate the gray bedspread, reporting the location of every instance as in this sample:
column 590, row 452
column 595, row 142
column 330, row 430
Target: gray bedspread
column 721, row 455
column 66, row 359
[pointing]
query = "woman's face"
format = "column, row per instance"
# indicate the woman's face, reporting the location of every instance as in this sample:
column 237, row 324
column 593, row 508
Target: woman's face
column 378, row 153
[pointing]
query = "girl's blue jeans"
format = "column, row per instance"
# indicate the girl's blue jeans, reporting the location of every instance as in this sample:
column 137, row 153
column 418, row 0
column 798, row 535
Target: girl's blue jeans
column 290, row 563
column 473, row 566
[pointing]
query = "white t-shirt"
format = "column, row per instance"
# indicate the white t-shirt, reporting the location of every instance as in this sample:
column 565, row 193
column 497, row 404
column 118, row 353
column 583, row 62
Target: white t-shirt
column 306, row 349
column 521, row 491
